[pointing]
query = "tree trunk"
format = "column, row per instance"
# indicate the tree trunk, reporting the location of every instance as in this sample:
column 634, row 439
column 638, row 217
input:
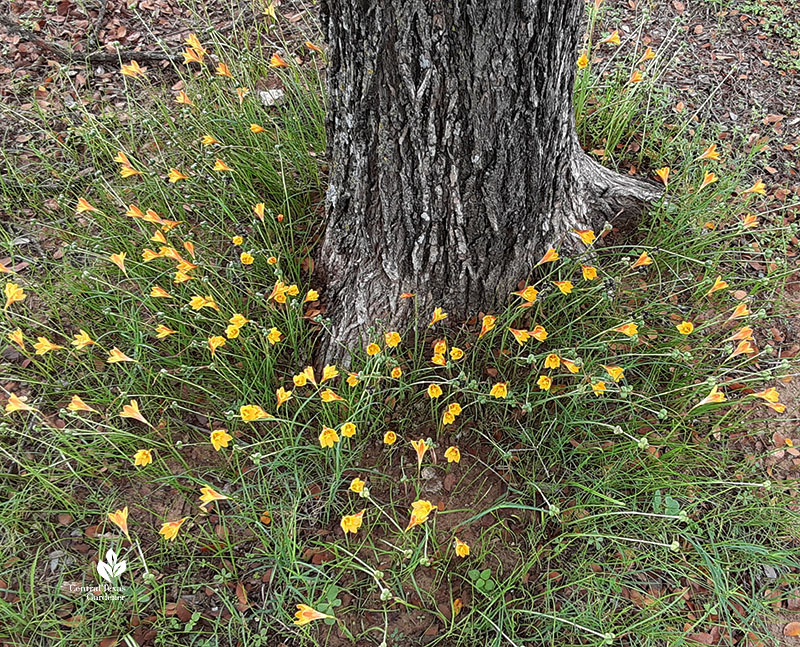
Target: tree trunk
column 454, row 158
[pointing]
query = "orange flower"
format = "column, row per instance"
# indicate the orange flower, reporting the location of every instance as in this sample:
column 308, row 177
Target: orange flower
column 487, row 325
column 209, row 495
column 190, row 56
column 44, row 345
column 599, row 388
column 408, row 295
column 277, row 61
column 373, row 349
column 612, row 38
column 133, row 70
column 719, row 284
column 499, row 390
column 17, row 404
column 420, row 446
column 759, row 187
column 648, row 54
column 175, row 175
column 438, row 315
column 163, row 331
column 539, row 333
column 589, row 272
column 636, row 77
column 582, row 61
column 224, row 70
column 392, row 339
column 708, row 178
column 616, row 372
column 744, row 347
column 586, row 235
column 120, row 519
column 83, row 206
column 197, row 302
column 528, row 293
column 256, row 128
column 306, row 614
column 17, row 338
column 116, row 355
column 208, row 140
column 397, row 372
column 220, row 166
column 329, row 396
column 750, row 221
column 13, row 293
column 312, row 46
column 183, row 99
column 552, row 361
column 170, row 529
column 629, row 329
column 544, row 382
column 520, row 335
column 160, row 292
column 712, row 398
column 550, row 256
column 663, row 173
column 194, row 42
column 710, row 153
column 283, row 396
column 644, row 259
column 132, row 411
column 571, row 366
column 770, row 395
column 740, row 310
column 453, row 455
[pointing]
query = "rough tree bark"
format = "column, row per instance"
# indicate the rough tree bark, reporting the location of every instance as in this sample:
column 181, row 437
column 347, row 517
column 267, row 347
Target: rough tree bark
column 454, row 157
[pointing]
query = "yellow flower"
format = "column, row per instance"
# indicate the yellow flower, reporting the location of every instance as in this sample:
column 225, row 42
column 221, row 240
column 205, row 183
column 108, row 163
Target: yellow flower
column 759, row 187
column 397, row 372
column 685, row 327
column 175, row 175
column 550, row 256
column 129, row 171
column 352, row 523
column 719, row 284
column 118, row 260
column 452, row 454
column 544, row 382
column 232, row 332
column 456, row 353
column 438, row 315
column 143, row 458
column 434, row 391
column 744, row 347
column 258, row 209
column 169, row 530
column 274, row 336
column 586, row 235
column 599, row 388
column 283, row 396
column 120, row 519
column 648, row 54
column 252, row 413
column 571, row 366
column 499, row 390
column 612, row 38
column 564, row 286
column 329, row 396
column 448, row 418
column 392, row 339
column 462, row 549
column 300, row 379
column 616, row 372
column 246, row 258
column 328, row 437
column 116, row 355
column 438, row 359
column 589, row 272
column 636, row 77
column 238, row 320
column 256, row 128
column 528, row 293
column 454, row 408
column 663, row 173
column 217, row 341
column 487, row 324
column 17, row 404
column 357, row 485
column 220, row 438
column 520, row 335
column 352, row 379
column 348, row 430
column 163, row 331
column 160, row 292
column 328, row 373
column 132, row 411
column 420, row 510
column 76, row 404
column 420, row 447
column 13, row 293
column 277, row 61
column 770, row 395
column 552, row 361
column 628, row 329
column 194, row 42
column 208, row 495
column 208, row 140
column 198, row 302
column 183, row 99
column 237, row 240
column 82, row 340
column 539, row 333
column 644, row 259
column 389, row 438
column 305, row 613
column 373, row 349
column 221, row 166
column 740, row 310
column 44, row 345
column 583, row 61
